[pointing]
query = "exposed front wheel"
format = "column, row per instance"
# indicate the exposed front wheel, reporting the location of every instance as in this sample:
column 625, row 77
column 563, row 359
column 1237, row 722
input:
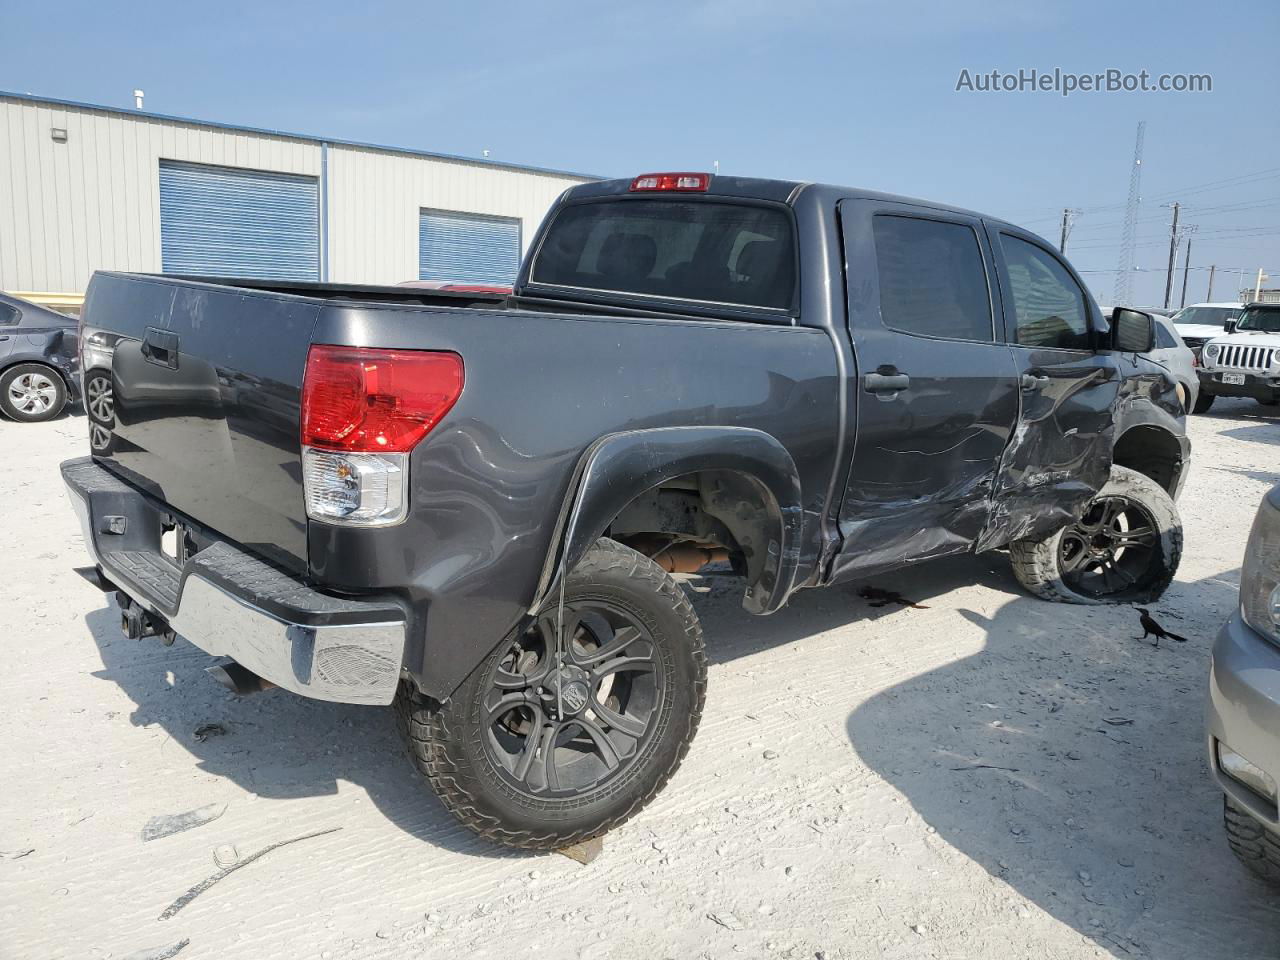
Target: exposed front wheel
column 569, row 729
column 1124, row 549
column 32, row 392
column 1203, row 403
column 1255, row 846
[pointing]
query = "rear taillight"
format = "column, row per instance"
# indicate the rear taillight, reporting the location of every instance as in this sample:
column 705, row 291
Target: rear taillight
column 363, row 399
column 363, row 410
column 678, row 182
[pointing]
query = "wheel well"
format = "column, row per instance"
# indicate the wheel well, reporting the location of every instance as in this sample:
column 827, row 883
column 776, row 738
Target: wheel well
column 709, row 509
column 5, row 368
column 1153, row 452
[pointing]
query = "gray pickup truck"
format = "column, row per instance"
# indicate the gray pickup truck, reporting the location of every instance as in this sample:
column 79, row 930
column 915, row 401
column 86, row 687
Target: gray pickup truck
column 473, row 506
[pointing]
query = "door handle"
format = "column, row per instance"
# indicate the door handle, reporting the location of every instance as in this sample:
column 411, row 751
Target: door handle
column 885, row 382
column 160, row 347
column 2, row 339
column 1031, row 381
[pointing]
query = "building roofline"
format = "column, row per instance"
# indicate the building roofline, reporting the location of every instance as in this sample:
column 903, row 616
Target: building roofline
column 263, row 131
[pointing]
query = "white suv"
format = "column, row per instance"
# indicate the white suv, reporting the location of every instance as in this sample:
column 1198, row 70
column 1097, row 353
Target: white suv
column 1245, row 362
column 1201, row 322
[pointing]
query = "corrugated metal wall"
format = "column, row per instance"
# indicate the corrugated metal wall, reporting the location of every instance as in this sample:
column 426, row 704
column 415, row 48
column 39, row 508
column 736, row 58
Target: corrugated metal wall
column 375, row 199
column 93, row 202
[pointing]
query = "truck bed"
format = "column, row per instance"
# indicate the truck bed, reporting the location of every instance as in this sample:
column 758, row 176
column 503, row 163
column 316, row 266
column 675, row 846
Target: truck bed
column 208, row 377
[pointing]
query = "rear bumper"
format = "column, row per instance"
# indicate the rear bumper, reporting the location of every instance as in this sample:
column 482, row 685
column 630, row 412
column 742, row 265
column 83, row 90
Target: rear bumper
column 1244, row 711
column 230, row 603
column 1259, row 387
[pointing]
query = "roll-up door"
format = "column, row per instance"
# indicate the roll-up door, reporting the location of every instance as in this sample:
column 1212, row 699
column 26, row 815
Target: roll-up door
column 227, row 222
column 468, row 247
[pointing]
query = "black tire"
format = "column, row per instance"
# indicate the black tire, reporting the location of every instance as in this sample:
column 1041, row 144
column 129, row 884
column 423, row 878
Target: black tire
column 459, row 746
column 1253, row 844
column 1203, row 403
column 1273, row 401
column 42, row 387
column 1045, row 567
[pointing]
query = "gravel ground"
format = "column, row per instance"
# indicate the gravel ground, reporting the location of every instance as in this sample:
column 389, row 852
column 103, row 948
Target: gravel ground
column 991, row 776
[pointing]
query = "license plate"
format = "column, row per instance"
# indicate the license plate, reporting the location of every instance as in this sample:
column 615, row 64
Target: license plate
column 1236, row 378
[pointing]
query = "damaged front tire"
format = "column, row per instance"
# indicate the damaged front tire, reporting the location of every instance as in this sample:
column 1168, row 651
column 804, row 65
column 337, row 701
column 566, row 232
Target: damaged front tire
column 1124, row 549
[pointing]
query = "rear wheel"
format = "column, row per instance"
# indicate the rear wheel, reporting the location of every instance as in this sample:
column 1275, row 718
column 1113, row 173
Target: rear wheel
column 32, row 392
column 1255, row 846
column 1203, row 403
column 1124, row 549
column 548, row 744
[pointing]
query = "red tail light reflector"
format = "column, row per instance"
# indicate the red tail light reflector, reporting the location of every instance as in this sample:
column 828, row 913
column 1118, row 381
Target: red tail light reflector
column 364, row 399
column 679, row 182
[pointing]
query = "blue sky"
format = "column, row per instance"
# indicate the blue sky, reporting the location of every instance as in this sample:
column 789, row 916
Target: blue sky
column 846, row 92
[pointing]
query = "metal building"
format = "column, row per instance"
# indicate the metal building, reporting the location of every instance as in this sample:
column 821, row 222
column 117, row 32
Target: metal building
column 85, row 187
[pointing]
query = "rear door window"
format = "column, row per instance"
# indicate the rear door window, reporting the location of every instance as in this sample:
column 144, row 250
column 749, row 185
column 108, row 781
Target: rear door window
column 1049, row 304
column 703, row 251
column 9, row 315
column 1164, row 339
column 932, row 281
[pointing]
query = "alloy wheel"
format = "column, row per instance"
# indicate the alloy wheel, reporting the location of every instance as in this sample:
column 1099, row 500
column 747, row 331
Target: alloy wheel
column 1113, row 549
column 560, row 725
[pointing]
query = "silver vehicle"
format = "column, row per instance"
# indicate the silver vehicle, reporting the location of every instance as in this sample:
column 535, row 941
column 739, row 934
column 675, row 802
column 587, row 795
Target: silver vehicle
column 1244, row 702
column 1176, row 357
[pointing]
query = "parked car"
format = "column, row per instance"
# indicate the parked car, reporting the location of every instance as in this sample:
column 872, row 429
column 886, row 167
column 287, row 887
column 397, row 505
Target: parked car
column 1245, row 362
column 38, row 361
column 1201, row 322
column 472, row 505
column 1244, row 702
column 1176, row 357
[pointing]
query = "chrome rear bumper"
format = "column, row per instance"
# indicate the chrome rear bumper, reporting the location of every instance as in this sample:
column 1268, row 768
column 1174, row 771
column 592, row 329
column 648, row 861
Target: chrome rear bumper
column 230, row 603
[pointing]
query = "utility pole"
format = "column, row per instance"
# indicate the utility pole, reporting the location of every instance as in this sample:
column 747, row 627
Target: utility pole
column 1173, row 250
column 1068, row 220
column 1213, row 268
column 1257, row 287
column 1186, row 268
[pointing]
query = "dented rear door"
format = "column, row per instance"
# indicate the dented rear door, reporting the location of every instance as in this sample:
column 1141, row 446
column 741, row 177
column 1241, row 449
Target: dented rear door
column 937, row 386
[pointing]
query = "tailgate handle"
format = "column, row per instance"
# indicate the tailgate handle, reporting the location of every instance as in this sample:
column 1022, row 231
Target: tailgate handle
column 161, row 347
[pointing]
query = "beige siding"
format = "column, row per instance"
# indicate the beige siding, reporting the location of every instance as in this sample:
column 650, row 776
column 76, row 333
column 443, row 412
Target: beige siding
column 92, row 203
column 375, row 197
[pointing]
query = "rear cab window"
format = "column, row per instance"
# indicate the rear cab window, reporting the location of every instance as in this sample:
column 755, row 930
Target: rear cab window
column 707, row 252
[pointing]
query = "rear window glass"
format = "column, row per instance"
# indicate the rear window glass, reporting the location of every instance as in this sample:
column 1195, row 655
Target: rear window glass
column 705, row 251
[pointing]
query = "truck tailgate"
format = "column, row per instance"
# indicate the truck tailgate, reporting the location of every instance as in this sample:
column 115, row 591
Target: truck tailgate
column 206, row 384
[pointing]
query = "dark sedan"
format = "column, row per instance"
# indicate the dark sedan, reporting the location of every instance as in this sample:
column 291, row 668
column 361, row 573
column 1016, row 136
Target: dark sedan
column 39, row 366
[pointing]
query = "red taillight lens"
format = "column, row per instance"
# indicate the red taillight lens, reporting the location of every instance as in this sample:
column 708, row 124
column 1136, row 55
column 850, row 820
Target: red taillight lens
column 679, row 182
column 364, row 399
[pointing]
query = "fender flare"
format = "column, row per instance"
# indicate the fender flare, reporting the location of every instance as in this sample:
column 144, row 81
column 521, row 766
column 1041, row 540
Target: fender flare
column 619, row 467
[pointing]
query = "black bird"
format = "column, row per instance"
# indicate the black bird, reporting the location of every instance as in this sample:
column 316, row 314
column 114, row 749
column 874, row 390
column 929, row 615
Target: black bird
column 1151, row 628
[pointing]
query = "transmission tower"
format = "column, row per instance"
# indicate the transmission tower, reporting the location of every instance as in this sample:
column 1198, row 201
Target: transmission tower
column 1123, row 292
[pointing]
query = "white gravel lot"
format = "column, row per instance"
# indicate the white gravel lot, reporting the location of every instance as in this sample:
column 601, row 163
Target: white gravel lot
column 946, row 784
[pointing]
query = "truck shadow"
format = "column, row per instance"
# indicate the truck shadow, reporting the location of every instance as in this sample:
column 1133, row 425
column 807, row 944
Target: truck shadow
column 275, row 745
column 1080, row 782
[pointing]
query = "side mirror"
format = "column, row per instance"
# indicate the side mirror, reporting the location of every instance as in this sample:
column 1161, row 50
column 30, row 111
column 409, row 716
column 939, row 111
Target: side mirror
column 1132, row 331
column 1230, row 326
